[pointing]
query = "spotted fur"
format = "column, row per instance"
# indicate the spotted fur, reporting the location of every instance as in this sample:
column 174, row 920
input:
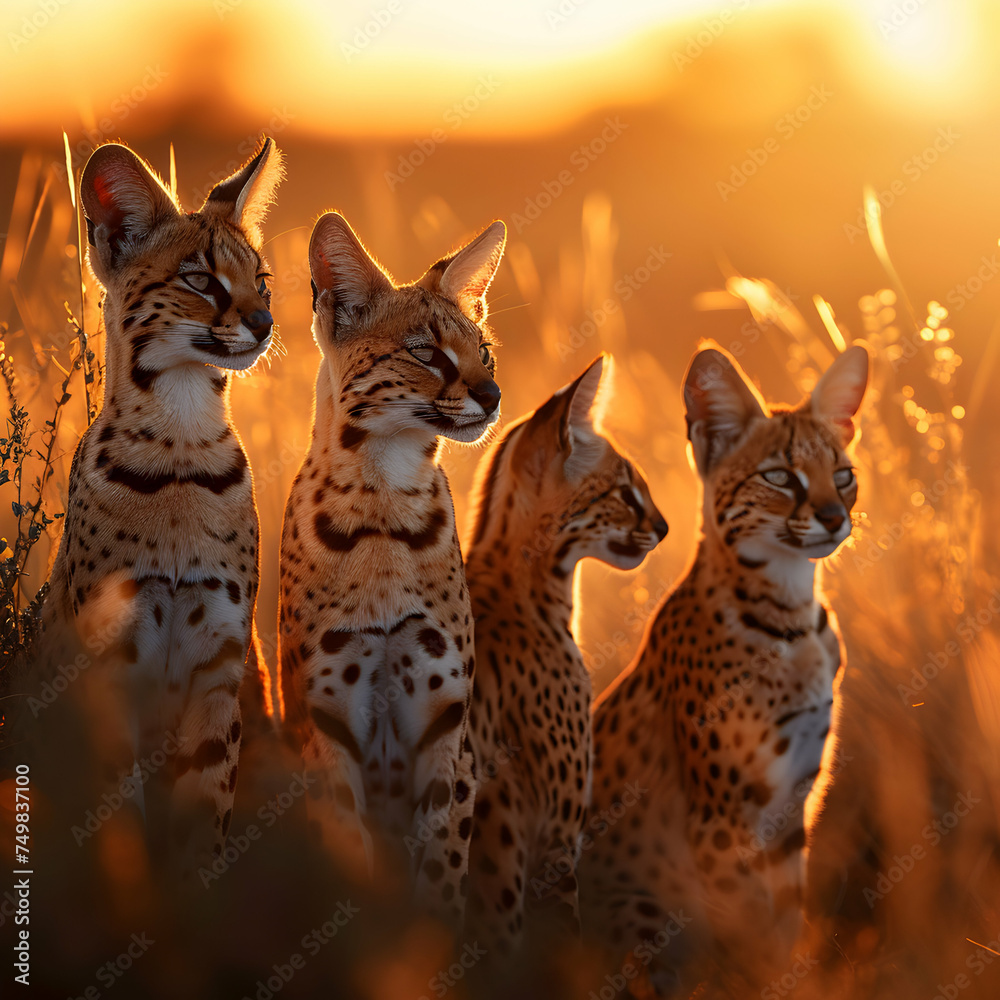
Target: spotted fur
column 377, row 654
column 718, row 726
column 156, row 575
column 552, row 491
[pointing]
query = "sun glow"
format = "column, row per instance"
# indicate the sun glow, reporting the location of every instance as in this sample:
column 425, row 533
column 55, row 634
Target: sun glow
column 392, row 68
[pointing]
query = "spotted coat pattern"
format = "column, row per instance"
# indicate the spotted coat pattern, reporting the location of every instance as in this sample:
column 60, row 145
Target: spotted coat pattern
column 719, row 725
column 156, row 574
column 552, row 491
column 377, row 649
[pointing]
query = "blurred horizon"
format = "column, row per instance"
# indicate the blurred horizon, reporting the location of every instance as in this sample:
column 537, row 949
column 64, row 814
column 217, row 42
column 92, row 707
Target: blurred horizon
column 707, row 139
column 644, row 157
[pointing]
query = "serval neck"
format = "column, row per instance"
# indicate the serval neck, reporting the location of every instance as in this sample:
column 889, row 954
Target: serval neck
column 402, row 463
column 783, row 582
column 520, row 554
column 185, row 404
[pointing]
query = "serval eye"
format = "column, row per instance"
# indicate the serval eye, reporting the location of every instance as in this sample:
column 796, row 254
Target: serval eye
column 777, row 477
column 843, row 478
column 199, row 282
column 425, row 355
column 485, row 355
column 262, row 290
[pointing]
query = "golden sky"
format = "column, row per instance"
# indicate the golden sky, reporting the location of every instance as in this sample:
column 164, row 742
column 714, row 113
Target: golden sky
column 396, row 67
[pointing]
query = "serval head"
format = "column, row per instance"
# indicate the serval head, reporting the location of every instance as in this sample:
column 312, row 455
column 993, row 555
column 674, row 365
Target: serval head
column 777, row 480
column 557, row 475
column 415, row 358
column 183, row 289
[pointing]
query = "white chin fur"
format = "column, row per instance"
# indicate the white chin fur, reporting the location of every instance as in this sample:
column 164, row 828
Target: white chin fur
column 468, row 433
column 243, row 359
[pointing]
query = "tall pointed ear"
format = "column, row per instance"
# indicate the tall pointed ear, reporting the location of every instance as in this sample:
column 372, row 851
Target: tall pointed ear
column 122, row 201
column 578, row 435
column 245, row 196
column 720, row 404
column 580, row 396
column 839, row 392
column 558, row 433
column 342, row 268
column 470, row 272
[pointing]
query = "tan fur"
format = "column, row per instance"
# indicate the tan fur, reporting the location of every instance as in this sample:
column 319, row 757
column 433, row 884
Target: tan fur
column 552, row 491
column 377, row 653
column 159, row 550
column 719, row 725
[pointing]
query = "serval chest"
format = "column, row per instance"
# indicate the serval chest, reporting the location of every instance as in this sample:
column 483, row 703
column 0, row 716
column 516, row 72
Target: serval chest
column 156, row 576
column 376, row 625
column 720, row 723
column 377, row 652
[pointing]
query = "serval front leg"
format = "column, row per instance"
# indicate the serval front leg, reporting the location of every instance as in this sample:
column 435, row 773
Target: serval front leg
column 337, row 804
column 433, row 723
column 328, row 716
column 442, row 825
column 197, row 724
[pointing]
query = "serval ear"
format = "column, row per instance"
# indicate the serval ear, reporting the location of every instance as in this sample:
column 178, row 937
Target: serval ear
column 720, row 404
column 123, row 200
column 343, row 269
column 469, row 272
column 578, row 433
column 560, row 432
column 839, row 392
column 245, row 196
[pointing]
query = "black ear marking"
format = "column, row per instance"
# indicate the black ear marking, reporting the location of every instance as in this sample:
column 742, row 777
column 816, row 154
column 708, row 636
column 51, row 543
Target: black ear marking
column 315, row 293
column 90, row 232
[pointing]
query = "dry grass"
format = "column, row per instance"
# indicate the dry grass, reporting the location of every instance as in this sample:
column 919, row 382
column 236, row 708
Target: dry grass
column 918, row 565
